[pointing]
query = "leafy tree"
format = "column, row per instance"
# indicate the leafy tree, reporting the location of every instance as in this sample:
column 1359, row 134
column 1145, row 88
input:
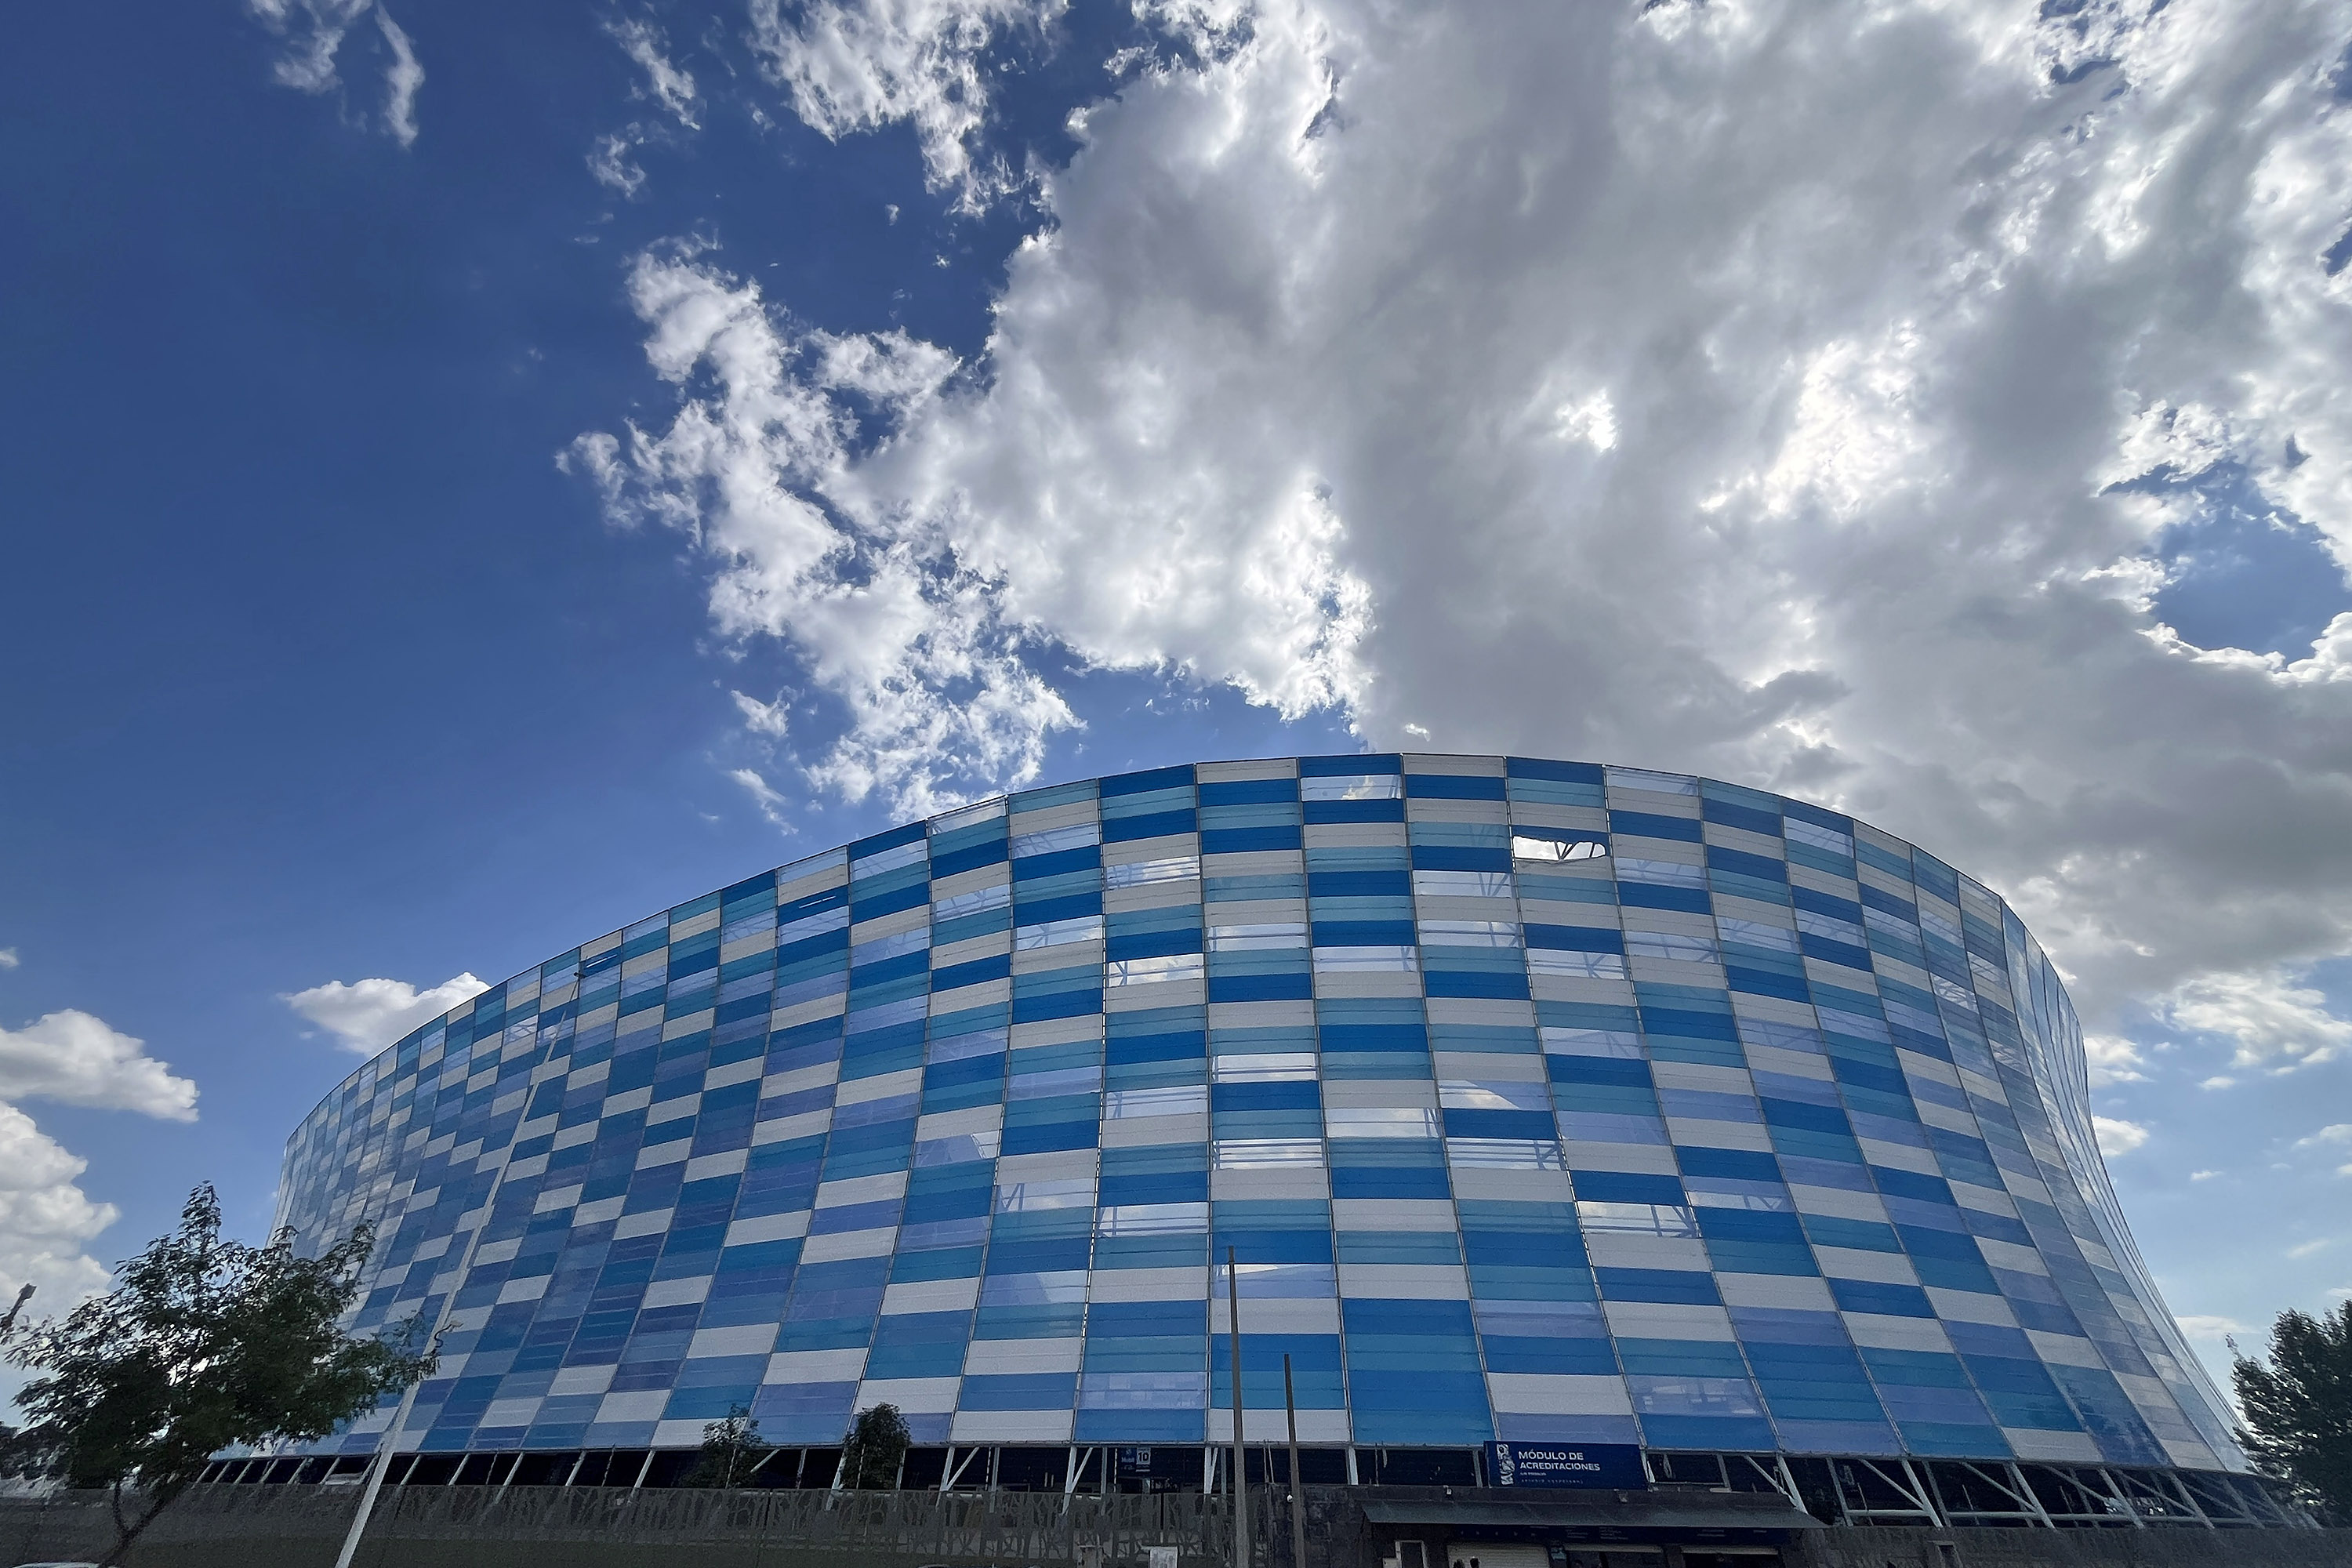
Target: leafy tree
column 874, row 1450
column 205, row 1343
column 732, row 1450
column 2299, row 1408
column 31, row 1454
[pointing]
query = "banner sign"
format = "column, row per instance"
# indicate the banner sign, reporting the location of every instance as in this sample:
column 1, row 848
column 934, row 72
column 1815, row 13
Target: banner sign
column 1610, row 1464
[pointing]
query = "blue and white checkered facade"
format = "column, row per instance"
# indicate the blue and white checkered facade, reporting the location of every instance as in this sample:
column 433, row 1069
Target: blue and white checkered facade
column 1537, row 1099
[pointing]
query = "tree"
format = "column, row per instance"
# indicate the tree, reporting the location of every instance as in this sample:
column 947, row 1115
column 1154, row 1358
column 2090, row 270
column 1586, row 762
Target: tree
column 732, row 1450
column 202, row 1344
column 874, row 1450
column 2299, row 1408
column 32, row 1454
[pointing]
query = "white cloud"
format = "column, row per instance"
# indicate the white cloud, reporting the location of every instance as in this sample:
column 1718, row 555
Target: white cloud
column 402, row 79
column 917, row 642
column 9, row 959
column 366, row 1015
column 45, row 1219
column 2338, row 1135
column 1295, row 392
column 611, row 165
column 764, row 794
column 2202, row 1176
column 2114, row 1060
column 2311, row 1248
column 2276, row 1024
column 854, row 67
column 771, row 720
column 313, row 30
column 2207, row 1327
column 667, row 84
column 77, row 1060
column 2117, row 1137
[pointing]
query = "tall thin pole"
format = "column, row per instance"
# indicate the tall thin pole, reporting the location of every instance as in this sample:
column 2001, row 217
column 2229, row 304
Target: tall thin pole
column 384, row 1455
column 1297, row 1495
column 1241, row 1474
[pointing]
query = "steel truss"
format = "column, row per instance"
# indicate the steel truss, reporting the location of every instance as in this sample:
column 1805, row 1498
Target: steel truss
column 2016, row 1494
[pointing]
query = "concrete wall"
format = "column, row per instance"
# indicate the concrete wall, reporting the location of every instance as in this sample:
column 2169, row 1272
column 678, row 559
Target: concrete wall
column 2166, row 1548
column 480, row 1527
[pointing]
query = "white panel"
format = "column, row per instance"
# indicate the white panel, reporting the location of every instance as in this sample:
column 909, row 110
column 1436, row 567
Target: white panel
column 1560, row 1395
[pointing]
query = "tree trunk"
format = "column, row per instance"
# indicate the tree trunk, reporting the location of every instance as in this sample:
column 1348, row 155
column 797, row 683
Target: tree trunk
column 126, row 1533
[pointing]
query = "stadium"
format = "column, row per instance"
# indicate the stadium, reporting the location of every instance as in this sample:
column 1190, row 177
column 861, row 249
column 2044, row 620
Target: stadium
column 1712, row 1140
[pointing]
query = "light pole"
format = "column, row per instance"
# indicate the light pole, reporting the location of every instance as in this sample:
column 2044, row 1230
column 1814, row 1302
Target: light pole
column 382, row 1460
column 1241, row 1478
column 1298, row 1498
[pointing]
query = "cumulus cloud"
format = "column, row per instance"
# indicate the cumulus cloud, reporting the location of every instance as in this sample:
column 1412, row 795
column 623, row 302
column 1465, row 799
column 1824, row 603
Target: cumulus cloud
column 1642, row 382
column 9, row 959
column 77, row 1060
column 2273, row 1023
column 365, row 1015
column 852, row 67
column 2112, row 1060
column 2117, row 1136
column 909, row 629
column 314, row 32
column 45, row 1219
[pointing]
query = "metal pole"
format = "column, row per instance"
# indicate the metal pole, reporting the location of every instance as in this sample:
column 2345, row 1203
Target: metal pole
column 8, row 1323
column 1297, row 1495
column 383, row 1460
column 383, row 1456
column 1241, row 1475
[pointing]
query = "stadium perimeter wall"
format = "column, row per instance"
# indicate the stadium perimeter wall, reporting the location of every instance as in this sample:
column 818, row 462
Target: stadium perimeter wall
column 486, row 1527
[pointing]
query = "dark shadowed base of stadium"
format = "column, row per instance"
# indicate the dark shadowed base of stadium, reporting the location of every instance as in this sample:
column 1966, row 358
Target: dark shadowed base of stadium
column 471, row 1526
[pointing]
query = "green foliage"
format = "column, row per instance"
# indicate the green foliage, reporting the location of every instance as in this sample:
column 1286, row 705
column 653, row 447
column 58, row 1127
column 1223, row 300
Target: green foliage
column 874, row 1450
column 2299, row 1408
column 31, row 1454
column 732, row 1450
column 202, row 1344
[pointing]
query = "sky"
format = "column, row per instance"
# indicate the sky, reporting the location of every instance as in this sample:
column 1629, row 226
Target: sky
column 475, row 476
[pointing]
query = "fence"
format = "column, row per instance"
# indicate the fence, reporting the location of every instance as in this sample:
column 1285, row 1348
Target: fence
column 546, row 1527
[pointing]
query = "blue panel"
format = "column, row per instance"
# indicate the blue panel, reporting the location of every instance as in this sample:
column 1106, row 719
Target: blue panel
column 1404, row 1372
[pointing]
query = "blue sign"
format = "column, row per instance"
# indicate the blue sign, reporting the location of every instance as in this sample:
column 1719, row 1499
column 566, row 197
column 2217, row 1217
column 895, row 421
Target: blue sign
column 1617, row 1465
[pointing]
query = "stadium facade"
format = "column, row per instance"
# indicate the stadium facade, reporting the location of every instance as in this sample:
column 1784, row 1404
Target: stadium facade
column 1540, row 1103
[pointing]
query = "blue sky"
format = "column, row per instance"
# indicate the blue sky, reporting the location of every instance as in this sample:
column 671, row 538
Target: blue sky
column 476, row 475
